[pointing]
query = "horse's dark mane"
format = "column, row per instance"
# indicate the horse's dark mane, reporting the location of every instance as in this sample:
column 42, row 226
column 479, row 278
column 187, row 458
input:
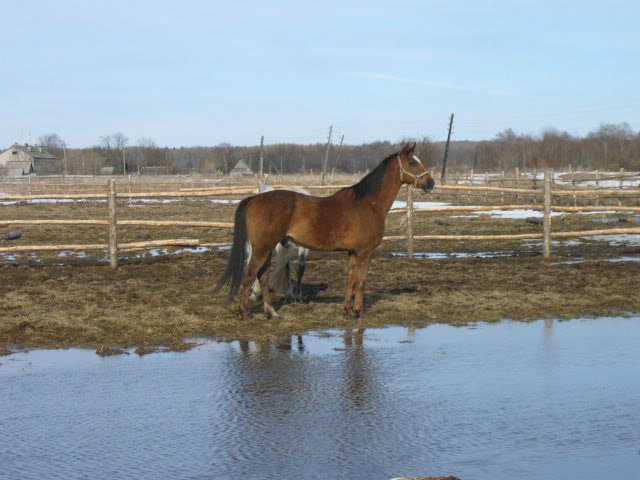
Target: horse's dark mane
column 372, row 182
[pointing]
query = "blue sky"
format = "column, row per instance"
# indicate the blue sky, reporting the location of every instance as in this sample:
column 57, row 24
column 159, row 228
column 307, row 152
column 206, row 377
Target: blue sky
column 201, row 73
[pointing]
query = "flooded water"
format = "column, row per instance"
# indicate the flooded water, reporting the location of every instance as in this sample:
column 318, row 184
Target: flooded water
column 543, row 400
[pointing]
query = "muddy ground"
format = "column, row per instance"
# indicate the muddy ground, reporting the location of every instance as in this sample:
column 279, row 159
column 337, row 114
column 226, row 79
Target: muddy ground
column 153, row 301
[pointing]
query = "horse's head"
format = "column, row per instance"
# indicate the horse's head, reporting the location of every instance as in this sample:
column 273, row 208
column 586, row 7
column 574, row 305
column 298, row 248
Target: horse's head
column 412, row 171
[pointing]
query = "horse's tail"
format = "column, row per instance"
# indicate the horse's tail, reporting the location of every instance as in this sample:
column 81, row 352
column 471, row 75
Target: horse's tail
column 235, row 268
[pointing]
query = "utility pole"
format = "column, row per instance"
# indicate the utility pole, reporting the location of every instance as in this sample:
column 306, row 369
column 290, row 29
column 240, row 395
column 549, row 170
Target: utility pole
column 166, row 159
column 475, row 158
column 64, row 173
column 339, row 149
column 326, row 156
column 124, row 163
column 261, row 162
column 446, row 152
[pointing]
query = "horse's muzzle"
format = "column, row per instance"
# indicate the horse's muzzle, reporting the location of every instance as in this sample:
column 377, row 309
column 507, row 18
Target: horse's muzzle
column 428, row 185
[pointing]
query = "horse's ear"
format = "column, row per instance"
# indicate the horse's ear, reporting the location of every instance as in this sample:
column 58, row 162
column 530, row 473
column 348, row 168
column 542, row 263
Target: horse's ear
column 409, row 149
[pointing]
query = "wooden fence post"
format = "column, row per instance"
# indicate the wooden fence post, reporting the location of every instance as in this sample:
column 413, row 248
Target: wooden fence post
column 486, row 181
column 621, row 186
column 573, row 185
column 113, row 246
column 410, row 221
column 472, row 181
column 546, row 241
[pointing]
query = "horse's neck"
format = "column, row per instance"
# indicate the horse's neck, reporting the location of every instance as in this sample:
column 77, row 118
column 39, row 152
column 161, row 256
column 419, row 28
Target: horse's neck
column 385, row 197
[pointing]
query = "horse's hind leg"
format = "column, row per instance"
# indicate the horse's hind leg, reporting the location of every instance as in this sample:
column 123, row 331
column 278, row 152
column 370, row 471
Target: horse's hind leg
column 258, row 265
column 302, row 264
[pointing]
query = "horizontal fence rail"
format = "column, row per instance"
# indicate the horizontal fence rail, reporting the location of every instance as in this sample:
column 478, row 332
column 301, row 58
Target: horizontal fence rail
column 547, row 193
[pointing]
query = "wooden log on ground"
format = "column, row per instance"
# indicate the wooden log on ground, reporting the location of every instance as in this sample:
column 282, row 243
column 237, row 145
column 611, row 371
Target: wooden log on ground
column 55, row 196
column 523, row 236
column 231, row 190
column 590, row 233
column 46, row 248
column 54, row 222
column 219, row 244
column 487, row 189
column 592, row 208
column 471, row 208
column 216, row 189
column 175, row 223
column 518, row 207
column 176, row 242
column 629, row 191
column 205, row 193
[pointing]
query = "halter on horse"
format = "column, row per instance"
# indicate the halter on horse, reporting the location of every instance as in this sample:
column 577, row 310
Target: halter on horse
column 351, row 220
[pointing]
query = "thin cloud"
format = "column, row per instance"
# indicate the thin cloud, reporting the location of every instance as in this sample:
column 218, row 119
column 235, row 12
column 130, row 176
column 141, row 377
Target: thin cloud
column 451, row 86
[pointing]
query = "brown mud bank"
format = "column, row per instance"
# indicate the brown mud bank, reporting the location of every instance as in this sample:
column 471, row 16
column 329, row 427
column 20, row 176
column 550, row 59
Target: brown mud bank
column 160, row 301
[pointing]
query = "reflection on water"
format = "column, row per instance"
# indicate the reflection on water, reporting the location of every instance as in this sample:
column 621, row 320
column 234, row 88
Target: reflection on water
column 513, row 400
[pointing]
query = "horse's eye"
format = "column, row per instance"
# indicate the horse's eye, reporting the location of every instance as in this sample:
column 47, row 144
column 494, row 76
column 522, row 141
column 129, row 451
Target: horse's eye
column 412, row 163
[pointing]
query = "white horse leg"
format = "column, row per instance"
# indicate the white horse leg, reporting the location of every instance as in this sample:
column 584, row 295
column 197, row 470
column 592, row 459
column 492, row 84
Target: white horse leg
column 280, row 278
column 303, row 253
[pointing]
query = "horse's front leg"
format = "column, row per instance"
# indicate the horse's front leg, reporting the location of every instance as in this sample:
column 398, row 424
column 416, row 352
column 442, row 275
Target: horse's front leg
column 266, row 296
column 362, row 268
column 351, row 283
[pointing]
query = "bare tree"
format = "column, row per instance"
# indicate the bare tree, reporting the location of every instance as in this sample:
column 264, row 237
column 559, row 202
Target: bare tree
column 52, row 143
column 114, row 146
column 120, row 141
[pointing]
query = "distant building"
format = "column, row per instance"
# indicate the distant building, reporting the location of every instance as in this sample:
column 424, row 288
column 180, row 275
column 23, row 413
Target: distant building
column 25, row 159
column 154, row 171
column 241, row 168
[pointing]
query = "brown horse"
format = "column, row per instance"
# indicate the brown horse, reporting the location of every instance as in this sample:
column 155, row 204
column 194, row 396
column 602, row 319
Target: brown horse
column 351, row 220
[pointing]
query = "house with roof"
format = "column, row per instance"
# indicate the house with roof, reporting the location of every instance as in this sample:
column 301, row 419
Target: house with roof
column 241, row 169
column 26, row 159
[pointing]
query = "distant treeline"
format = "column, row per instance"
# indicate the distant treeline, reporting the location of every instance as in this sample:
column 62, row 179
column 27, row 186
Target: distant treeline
column 611, row 146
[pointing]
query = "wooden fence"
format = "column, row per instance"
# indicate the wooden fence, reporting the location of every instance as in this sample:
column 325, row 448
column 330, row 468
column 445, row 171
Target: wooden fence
column 546, row 207
column 111, row 221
